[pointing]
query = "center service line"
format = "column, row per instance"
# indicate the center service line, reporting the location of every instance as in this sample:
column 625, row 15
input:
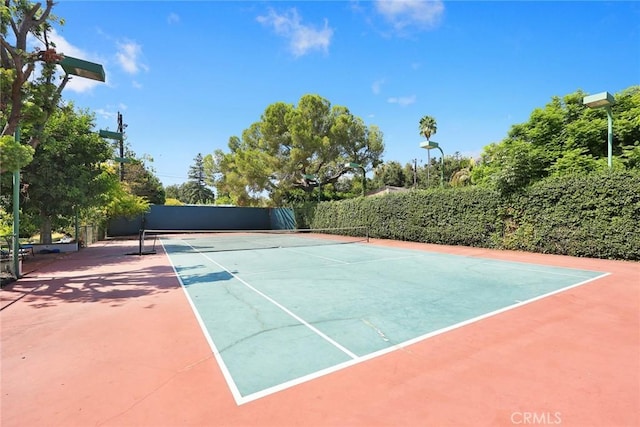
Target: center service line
column 281, row 307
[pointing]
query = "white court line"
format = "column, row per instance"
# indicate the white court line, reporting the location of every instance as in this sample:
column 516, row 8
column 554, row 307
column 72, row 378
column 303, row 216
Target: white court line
column 508, row 265
column 340, row 264
column 338, row 367
column 339, row 261
column 240, row 400
column 225, row 372
column 280, row 306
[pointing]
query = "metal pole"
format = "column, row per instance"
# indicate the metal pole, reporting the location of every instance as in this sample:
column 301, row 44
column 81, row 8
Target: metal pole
column 609, row 136
column 428, row 165
column 364, row 182
column 16, row 214
column 415, row 172
column 77, row 227
column 441, row 168
column 120, row 129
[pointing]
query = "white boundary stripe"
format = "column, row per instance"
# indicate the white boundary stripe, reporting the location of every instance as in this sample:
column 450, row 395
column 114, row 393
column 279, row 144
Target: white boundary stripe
column 512, row 265
column 283, row 308
column 223, row 367
column 338, row 263
column 240, row 400
column 225, row 372
column 298, row 251
column 402, row 345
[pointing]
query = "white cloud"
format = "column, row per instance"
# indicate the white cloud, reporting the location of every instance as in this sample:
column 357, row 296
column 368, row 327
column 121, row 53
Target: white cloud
column 403, row 101
column 63, row 46
column 111, row 112
column 302, row 38
column 128, row 56
column 75, row 84
column 404, row 14
column 376, row 87
column 105, row 114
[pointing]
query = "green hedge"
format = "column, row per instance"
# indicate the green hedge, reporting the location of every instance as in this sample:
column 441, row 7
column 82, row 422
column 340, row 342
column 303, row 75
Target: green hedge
column 591, row 216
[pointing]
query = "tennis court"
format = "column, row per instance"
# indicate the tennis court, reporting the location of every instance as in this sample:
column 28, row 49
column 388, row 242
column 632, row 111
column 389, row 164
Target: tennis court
column 384, row 333
column 282, row 308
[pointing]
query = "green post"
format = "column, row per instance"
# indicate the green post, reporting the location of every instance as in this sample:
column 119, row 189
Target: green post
column 77, row 228
column 428, row 145
column 441, row 167
column 609, row 136
column 604, row 100
column 16, row 215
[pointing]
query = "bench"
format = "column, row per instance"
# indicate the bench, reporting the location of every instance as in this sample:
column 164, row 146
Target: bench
column 23, row 250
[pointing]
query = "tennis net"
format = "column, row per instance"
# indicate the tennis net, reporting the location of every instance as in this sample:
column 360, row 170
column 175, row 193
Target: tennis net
column 238, row 240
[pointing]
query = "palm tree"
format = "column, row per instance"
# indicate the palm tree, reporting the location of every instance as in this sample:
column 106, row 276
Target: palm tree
column 461, row 178
column 428, row 127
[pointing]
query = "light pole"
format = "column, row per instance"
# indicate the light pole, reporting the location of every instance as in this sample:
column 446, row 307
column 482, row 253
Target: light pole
column 428, row 145
column 606, row 100
column 71, row 66
column 364, row 174
column 118, row 136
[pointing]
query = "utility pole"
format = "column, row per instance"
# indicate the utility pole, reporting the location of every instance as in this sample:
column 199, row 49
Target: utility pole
column 121, row 127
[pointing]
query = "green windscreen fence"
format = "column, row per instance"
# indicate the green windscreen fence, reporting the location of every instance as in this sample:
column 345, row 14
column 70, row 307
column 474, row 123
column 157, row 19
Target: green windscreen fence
column 161, row 217
column 200, row 241
column 282, row 219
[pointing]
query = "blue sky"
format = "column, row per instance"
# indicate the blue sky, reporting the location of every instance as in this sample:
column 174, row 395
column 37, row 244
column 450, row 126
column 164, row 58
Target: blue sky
column 186, row 76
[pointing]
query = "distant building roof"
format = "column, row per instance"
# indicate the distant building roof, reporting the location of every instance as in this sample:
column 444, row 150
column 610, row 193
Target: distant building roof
column 386, row 190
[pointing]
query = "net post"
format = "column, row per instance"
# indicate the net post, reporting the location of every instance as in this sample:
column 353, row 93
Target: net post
column 140, row 241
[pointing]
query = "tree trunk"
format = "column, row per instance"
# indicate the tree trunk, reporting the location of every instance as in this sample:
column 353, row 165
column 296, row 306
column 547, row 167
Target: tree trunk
column 45, row 230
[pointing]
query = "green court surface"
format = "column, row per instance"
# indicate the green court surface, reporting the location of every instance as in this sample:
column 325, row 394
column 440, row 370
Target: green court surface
column 280, row 316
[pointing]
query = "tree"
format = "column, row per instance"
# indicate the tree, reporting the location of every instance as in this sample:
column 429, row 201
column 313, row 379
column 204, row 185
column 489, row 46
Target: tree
column 142, row 182
column 428, row 127
column 576, row 162
column 510, row 166
column 64, row 175
column 13, row 154
column 195, row 191
column 115, row 201
column 391, row 174
column 461, row 178
column 564, row 137
column 291, row 148
column 33, row 96
column 173, row 192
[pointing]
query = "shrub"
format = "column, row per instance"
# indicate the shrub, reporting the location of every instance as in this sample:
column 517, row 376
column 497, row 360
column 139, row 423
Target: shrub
column 594, row 216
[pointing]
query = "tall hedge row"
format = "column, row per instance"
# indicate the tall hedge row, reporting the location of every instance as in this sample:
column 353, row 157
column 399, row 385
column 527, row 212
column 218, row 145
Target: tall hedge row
column 592, row 216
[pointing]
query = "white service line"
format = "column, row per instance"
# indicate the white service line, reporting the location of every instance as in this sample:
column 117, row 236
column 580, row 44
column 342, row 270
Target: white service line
column 216, row 353
column 354, row 358
column 338, row 263
column 398, row 346
column 281, row 307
